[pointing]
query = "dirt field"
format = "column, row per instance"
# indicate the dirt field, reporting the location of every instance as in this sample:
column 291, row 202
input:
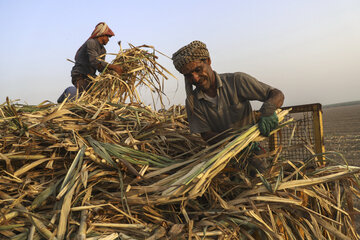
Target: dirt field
column 342, row 134
column 342, row 131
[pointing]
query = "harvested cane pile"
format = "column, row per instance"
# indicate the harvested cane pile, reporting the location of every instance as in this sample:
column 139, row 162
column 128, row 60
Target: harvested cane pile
column 140, row 68
column 103, row 169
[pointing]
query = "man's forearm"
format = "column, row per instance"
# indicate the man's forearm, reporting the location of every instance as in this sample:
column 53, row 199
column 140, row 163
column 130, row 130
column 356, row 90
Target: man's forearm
column 276, row 97
column 116, row 68
column 274, row 101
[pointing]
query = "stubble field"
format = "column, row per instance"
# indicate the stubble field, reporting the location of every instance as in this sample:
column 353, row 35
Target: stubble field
column 342, row 131
column 342, row 134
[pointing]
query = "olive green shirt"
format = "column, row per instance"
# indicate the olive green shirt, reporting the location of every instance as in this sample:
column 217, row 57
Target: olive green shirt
column 233, row 108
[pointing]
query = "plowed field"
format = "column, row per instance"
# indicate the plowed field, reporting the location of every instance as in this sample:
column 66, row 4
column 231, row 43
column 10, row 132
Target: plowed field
column 342, row 131
column 342, row 134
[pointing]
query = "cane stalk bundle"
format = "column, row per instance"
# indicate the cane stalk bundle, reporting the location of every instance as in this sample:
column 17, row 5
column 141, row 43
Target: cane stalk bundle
column 99, row 168
column 140, row 68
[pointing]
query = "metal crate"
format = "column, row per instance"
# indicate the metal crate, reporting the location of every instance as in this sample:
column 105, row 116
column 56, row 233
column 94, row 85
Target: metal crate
column 303, row 137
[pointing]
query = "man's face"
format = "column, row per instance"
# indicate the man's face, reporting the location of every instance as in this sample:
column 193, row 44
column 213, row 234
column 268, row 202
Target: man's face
column 200, row 74
column 103, row 39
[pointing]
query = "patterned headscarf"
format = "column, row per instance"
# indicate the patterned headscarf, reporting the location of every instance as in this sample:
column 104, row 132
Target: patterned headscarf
column 195, row 50
column 101, row 29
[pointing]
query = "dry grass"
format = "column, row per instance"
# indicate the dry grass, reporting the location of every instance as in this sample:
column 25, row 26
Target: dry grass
column 97, row 168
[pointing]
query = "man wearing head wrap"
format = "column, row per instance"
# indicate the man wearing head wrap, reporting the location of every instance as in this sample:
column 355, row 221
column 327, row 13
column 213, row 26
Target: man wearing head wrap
column 220, row 102
column 91, row 57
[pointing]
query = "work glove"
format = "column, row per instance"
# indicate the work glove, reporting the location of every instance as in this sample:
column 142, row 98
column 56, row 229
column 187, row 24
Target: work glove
column 268, row 120
column 254, row 147
column 267, row 124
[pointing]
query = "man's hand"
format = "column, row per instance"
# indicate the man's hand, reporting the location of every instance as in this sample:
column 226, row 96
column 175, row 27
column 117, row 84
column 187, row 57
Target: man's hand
column 268, row 124
column 269, row 120
column 116, row 68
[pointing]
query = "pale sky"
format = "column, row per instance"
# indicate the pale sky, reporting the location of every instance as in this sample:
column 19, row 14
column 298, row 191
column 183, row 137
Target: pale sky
column 309, row 49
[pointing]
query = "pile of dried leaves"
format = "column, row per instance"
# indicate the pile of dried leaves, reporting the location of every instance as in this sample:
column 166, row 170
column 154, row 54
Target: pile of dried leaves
column 98, row 168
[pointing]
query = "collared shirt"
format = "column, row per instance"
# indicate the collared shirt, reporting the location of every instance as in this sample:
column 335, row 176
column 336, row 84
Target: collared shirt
column 233, row 108
column 86, row 58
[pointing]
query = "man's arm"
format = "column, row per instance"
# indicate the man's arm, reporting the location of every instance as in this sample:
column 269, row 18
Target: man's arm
column 94, row 53
column 115, row 68
column 276, row 97
column 274, row 101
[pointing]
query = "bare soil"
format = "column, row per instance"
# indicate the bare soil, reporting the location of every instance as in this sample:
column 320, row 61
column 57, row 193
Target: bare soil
column 342, row 131
column 342, row 134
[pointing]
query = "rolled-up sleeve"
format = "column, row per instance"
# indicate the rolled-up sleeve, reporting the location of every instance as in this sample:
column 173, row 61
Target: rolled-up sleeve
column 250, row 88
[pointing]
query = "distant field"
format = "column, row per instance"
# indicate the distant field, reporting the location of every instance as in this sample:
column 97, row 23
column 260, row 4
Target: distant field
column 342, row 134
column 342, row 104
column 342, row 131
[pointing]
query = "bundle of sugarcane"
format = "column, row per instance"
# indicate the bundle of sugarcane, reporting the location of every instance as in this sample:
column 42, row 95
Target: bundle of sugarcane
column 140, row 68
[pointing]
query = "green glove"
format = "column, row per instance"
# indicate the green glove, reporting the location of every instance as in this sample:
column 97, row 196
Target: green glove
column 255, row 147
column 268, row 124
